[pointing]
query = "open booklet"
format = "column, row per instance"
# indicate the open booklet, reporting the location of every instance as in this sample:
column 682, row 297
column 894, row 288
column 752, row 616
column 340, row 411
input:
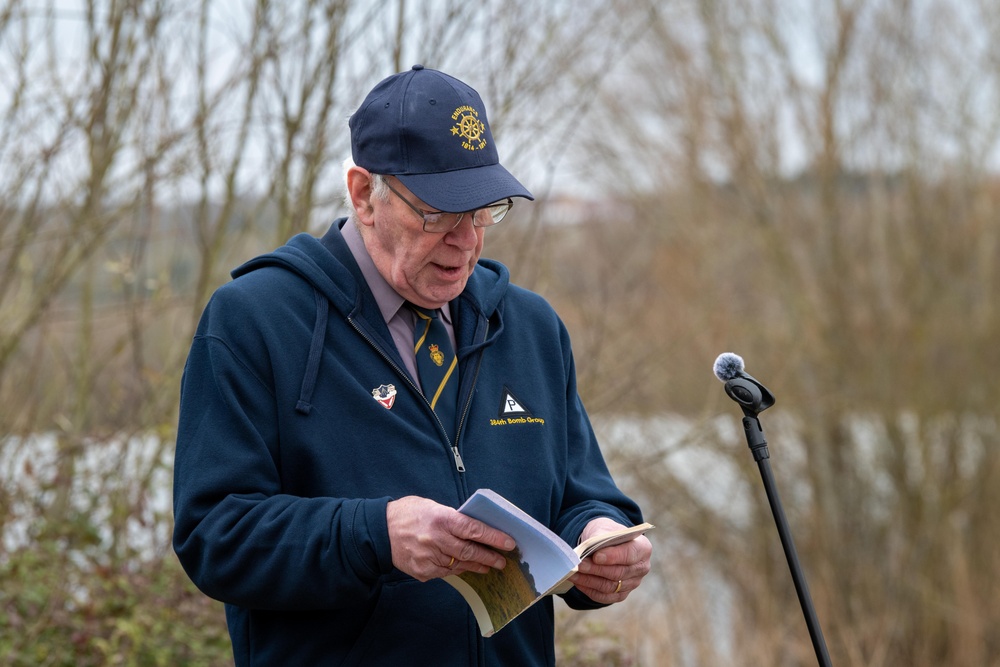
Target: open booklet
column 539, row 565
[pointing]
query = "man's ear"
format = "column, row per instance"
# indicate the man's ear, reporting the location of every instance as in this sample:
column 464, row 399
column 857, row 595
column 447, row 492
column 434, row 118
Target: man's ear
column 359, row 187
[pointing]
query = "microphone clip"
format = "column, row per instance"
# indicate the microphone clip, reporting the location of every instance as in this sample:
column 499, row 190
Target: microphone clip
column 753, row 398
column 750, row 394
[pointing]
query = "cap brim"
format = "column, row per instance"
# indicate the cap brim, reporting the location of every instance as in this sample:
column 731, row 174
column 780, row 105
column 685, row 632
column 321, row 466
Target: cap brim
column 465, row 189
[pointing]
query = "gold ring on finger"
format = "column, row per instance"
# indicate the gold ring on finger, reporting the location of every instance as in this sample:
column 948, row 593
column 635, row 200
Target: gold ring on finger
column 619, row 586
column 453, row 563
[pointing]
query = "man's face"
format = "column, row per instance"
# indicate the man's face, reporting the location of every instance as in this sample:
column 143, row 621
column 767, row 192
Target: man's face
column 425, row 268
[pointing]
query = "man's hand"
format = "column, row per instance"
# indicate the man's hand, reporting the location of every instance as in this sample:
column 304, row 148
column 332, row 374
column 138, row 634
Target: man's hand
column 610, row 574
column 430, row 540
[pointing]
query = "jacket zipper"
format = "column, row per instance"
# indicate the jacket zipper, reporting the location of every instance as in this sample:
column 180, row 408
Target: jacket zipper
column 459, row 464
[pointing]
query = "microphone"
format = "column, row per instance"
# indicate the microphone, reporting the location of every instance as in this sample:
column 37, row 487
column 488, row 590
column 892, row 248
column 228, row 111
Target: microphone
column 754, row 398
column 742, row 387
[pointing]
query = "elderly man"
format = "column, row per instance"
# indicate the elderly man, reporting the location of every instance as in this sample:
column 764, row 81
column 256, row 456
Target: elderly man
column 344, row 394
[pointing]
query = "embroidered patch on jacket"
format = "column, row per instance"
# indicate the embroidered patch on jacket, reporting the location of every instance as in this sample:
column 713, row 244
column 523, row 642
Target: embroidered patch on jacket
column 511, row 407
column 513, row 411
column 385, row 394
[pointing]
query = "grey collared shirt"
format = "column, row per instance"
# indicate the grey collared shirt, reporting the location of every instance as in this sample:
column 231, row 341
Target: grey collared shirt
column 398, row 318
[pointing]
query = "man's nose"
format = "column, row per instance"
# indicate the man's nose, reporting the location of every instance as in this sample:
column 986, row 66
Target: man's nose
column 464, row 234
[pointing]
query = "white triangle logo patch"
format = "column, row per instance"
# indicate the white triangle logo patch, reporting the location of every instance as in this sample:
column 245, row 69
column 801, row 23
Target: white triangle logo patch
column 510, row 406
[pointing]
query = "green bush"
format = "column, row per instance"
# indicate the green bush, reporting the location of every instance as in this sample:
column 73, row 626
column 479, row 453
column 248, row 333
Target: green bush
column 60, row 608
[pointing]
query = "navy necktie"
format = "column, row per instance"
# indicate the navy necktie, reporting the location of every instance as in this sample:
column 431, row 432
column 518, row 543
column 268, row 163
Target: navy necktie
column 436, row 365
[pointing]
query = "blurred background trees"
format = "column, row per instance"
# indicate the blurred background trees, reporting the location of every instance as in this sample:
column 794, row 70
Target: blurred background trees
column 812, row 185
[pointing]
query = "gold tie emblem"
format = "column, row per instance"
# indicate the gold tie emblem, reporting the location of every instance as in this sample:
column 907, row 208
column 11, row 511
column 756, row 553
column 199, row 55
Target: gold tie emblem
column 437, row 356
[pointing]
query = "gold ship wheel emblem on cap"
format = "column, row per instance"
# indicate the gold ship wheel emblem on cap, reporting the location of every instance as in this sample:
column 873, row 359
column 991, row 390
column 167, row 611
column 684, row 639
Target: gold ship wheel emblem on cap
column 469, row 128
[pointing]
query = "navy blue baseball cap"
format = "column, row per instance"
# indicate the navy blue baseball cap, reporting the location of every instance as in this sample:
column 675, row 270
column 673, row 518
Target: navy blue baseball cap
column 429, row 130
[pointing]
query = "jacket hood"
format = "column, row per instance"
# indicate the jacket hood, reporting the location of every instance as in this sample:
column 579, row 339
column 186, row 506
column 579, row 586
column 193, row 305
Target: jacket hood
column 328, row 266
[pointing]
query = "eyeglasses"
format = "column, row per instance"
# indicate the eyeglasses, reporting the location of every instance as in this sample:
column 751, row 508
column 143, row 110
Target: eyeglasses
column 438, row 222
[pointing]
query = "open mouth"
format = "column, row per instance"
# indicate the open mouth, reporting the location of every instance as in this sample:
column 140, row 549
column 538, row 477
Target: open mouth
column 450, row 270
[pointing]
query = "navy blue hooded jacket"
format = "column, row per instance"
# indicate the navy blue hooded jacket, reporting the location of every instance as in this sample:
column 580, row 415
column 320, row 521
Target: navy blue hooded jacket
column 285, row 461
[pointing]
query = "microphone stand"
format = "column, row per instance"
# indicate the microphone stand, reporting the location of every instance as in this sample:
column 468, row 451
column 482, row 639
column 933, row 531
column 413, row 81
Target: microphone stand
column 754, row 398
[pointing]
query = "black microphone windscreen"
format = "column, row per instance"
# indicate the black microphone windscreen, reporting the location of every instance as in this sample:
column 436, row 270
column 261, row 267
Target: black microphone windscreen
column 728, row 366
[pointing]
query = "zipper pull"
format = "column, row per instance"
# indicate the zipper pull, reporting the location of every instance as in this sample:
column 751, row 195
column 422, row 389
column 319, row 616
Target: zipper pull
column 458, row 459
